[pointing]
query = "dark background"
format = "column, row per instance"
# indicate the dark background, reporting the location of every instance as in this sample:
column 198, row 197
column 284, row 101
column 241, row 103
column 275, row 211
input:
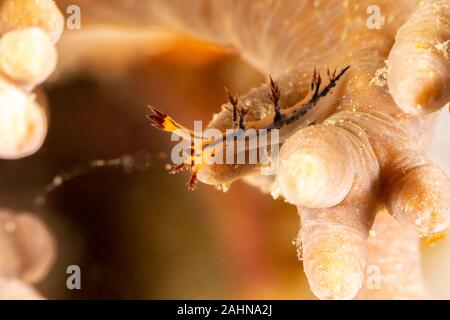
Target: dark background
column 141, row 234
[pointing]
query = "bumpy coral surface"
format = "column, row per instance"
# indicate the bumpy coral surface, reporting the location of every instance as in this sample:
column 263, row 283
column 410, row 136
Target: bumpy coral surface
column 367, row 152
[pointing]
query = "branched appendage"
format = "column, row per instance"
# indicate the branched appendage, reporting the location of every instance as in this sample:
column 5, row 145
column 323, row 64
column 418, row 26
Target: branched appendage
column 242, row 118
column 294, row 113
column 315, row 82
column 234, row 101
column 274, row 96
column 192, row 183
column 162, row 121
column 157, row 118
column 281, row 117
column 238, row 112
column 333, row 79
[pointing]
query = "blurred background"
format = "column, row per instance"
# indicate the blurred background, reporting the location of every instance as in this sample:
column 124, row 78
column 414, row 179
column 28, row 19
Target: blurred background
column 139, row 234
